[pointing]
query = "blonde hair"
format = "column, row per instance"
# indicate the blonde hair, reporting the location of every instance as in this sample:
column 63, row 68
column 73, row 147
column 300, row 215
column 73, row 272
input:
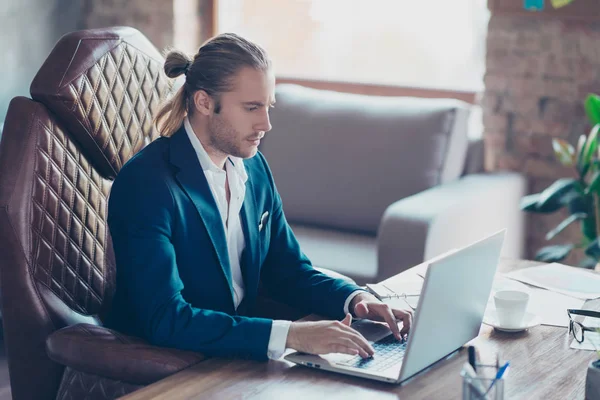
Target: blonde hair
column 211, row 70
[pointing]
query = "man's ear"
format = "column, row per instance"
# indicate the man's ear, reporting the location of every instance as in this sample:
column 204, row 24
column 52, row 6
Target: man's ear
column 203, row 103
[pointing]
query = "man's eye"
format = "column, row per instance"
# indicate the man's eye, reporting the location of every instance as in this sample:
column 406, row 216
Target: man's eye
column 252, row 108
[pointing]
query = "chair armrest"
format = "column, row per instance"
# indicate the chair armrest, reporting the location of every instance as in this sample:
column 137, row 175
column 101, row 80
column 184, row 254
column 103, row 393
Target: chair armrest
column 452, row 215
column 97, row 350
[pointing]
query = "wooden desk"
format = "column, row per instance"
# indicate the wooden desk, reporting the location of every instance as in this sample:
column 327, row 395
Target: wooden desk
column 542, row 367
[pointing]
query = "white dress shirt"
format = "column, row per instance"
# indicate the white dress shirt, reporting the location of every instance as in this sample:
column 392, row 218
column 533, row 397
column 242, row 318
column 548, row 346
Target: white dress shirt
column 230, row 215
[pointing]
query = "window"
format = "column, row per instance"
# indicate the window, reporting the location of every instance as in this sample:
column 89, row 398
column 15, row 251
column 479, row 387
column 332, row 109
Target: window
column 416, row 43
column 186, row 26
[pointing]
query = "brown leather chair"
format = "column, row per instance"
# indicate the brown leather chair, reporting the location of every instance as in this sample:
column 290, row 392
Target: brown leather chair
column 91, row 110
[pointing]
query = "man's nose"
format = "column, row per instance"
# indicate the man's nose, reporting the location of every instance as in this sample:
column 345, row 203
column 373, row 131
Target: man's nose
column 265, row 123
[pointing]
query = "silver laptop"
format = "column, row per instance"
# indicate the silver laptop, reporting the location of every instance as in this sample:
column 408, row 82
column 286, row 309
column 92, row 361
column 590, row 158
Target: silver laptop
column 449, row 314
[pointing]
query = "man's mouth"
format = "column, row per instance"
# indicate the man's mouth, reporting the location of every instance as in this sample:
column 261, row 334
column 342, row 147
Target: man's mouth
column 256, row 140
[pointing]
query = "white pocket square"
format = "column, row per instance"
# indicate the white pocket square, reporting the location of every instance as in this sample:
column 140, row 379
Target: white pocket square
column 263, row 219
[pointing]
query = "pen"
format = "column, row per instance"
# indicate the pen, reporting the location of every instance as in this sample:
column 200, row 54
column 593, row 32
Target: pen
column 472, row 358
column 501, row 372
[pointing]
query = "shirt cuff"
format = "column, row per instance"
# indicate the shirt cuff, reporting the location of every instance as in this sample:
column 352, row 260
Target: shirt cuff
column 278, row 339
column 349, row 299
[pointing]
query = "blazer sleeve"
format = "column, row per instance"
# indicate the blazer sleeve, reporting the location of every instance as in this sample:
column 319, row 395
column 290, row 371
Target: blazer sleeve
column 140, row 220
column 289, row 276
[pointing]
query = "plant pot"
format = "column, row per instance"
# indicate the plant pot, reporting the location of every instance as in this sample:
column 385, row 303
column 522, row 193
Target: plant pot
column 592, row 381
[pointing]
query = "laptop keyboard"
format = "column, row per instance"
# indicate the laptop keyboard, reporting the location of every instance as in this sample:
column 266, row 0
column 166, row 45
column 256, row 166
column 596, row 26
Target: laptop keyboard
column 388, row 352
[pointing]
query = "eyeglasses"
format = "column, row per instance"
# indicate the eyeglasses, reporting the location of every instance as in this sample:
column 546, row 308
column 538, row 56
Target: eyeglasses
column 577, row 328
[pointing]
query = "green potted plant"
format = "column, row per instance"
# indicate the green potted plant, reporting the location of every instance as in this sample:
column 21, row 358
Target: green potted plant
column 579, row 195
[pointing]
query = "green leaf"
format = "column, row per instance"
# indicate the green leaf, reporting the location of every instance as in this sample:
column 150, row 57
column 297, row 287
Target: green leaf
column 564, row 152
column 529, row 202
column 588, row 228
column 569, row 220
column 581, row 204
column 554, row 253
column 592, row 108
column 580, row 143
column 557, row 195
column 593, row 250
column 580, row 147
column 594, row 184
column 591, row 145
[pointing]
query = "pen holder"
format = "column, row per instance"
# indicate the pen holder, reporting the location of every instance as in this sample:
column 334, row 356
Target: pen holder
column 483, row 388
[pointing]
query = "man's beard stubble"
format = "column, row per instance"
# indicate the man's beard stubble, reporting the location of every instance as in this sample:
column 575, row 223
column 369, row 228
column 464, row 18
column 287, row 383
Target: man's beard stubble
column 223, row 136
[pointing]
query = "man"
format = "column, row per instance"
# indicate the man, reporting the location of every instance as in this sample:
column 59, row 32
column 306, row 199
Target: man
column 197, row 222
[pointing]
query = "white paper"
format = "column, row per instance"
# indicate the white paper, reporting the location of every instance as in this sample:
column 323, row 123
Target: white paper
column 403, row 304
column 591, row 340
column 421, row 270
column 550, row 306
column 407, row 289
column 560, row 278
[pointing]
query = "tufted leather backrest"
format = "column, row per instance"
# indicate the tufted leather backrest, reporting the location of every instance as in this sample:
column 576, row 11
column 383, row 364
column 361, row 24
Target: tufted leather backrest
column 92, row 108
column 105, row 85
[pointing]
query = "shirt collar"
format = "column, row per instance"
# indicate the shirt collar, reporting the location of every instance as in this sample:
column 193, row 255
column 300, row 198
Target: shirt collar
column 205, row 161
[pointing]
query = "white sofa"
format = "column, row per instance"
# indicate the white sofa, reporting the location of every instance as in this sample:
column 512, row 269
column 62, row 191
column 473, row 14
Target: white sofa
column 374, row 185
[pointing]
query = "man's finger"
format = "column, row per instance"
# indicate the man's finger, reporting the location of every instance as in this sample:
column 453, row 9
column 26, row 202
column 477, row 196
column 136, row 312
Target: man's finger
column 406, row 318
column 357, row 338
column 347, row 320
column 360, row 339
column 352, row 344
column 339, row 348
column 386, row 313
column 361, row 309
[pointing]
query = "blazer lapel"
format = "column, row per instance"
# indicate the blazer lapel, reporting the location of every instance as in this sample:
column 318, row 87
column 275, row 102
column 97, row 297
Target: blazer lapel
column 250, row 270
column 192, row 180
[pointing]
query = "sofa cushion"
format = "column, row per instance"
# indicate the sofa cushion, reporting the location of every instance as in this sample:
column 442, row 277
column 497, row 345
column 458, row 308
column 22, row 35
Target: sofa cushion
column 474, row 160
column 340, row 159
column 351, row 254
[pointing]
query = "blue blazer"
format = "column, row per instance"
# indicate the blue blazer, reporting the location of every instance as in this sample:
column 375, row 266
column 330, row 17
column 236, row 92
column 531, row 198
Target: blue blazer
column 174, row 283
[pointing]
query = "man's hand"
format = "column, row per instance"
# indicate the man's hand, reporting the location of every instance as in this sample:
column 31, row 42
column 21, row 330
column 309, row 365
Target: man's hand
column 324, row 337
column 365, row 305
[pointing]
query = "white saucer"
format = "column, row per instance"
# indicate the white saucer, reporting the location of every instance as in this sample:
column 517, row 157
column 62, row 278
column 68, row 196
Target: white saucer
column 529, row 321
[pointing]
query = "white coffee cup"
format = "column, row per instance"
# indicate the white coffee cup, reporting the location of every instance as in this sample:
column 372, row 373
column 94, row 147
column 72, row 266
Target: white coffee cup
column 510, row 307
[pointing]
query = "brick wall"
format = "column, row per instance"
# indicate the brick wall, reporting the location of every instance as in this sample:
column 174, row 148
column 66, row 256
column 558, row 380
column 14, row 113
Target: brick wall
column 154, row 18
column 184, row 24
column 538, row 72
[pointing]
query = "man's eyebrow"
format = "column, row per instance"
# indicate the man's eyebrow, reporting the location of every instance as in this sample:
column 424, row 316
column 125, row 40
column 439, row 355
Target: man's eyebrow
column 256, row 103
